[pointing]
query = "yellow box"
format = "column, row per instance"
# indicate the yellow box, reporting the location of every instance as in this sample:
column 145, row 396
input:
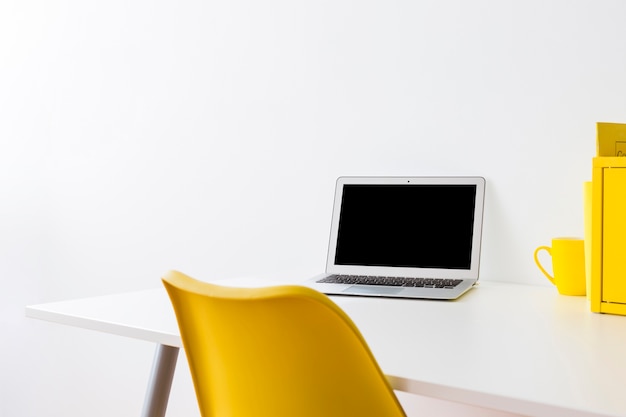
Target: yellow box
column 608, row 251
column 611, row 139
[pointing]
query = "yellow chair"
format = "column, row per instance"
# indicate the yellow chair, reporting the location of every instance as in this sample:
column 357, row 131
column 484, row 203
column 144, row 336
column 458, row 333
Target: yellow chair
column 284, row 351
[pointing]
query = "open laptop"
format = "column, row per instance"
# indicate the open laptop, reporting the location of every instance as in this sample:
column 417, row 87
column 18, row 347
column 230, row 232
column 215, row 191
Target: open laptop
column 408, row 237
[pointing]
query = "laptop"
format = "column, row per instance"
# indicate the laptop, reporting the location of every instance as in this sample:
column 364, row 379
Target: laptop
column 407, row 237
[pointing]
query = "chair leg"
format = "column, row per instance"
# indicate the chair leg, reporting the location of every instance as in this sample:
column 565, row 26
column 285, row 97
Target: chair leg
column 160, row 382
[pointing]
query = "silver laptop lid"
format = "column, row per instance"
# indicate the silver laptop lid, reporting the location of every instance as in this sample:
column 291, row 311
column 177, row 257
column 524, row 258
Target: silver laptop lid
column 422, row 227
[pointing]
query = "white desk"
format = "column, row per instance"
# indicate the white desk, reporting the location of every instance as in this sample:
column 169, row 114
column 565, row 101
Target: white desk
column 515, row 348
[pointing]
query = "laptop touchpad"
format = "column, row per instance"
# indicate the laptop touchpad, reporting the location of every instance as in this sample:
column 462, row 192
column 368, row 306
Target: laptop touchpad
column 356, row 289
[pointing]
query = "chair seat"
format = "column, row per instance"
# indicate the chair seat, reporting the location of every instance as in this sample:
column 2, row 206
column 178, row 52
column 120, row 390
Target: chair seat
column 278, row 351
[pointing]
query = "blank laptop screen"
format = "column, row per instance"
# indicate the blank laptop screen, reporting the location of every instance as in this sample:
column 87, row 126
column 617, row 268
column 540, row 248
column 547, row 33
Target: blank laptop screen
column 419, row 226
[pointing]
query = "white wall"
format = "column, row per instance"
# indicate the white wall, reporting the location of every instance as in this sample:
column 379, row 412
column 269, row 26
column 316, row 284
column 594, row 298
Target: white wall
column 140, row 136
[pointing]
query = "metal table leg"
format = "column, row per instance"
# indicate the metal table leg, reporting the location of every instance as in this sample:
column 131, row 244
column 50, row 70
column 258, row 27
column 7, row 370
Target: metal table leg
column 157, row 395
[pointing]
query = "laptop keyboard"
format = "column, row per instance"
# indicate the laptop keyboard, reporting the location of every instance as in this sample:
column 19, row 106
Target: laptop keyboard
column 392, row 281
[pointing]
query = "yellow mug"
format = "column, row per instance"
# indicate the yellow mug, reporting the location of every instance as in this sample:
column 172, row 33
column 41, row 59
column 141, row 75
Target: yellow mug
column 568, row 264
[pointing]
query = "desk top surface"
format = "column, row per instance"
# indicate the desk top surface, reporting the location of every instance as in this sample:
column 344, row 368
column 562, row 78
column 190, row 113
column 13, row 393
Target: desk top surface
column 516, row 348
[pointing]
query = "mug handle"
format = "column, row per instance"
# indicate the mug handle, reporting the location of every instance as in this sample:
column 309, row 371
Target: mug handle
column 546, row 248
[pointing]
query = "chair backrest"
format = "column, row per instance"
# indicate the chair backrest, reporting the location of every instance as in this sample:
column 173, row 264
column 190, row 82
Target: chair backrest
column 284, row 351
